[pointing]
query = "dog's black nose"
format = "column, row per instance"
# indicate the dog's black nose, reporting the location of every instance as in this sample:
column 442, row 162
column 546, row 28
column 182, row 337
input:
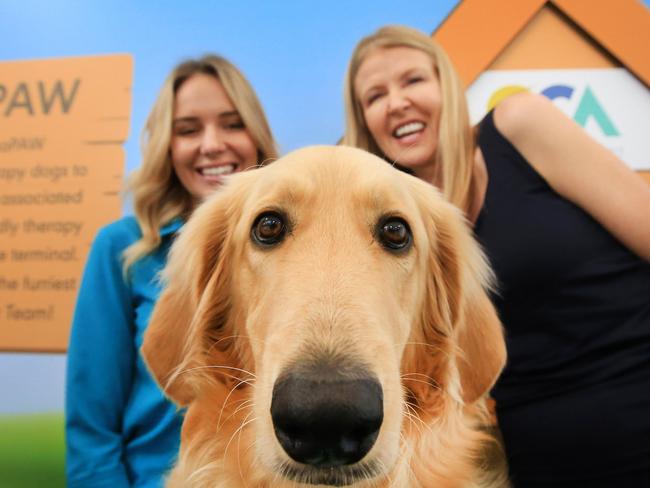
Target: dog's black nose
column 327, row 423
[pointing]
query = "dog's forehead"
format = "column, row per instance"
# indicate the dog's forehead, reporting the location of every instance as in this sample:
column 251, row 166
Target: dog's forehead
column 333, row 160
column 352, row 175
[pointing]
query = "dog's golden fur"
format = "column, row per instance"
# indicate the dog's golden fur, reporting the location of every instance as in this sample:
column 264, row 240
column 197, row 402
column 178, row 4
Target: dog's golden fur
column 234, row 316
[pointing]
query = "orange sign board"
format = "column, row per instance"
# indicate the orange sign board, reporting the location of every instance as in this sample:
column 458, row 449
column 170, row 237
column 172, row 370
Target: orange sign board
column 62, row 125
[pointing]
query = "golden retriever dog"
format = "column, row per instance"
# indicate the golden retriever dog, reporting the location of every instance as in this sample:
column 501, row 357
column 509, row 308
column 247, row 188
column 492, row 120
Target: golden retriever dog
column 325, row 322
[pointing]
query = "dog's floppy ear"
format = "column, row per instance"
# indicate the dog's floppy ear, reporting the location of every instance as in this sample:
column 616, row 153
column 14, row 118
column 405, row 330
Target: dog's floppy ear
column 457, row 301
column 196, row 281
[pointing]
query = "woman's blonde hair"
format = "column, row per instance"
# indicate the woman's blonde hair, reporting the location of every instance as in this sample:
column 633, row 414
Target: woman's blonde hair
column 158, row 195
column 454, row 156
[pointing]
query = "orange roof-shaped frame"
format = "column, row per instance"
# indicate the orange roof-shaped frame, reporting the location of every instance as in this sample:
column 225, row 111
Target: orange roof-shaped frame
column 477, row 31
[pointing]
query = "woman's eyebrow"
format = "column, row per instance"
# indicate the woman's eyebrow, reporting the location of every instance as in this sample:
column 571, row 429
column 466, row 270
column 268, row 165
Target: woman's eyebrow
column 231, row 113
column 413, row 70
column 193, row 118
column 184, row 119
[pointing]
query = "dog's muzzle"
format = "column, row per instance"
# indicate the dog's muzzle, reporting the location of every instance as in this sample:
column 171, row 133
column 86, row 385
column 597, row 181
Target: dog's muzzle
column 326, row 422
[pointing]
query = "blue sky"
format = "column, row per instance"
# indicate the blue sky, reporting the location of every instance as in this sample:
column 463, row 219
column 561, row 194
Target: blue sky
column 294, row 52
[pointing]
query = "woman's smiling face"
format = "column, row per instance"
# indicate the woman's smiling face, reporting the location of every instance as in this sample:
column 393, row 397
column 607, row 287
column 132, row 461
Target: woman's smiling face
column 399, row 93
column 209, row 139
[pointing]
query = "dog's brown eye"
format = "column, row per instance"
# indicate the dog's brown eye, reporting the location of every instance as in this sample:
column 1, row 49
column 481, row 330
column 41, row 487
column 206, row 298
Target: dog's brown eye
column 268, row 229
column 394, row 234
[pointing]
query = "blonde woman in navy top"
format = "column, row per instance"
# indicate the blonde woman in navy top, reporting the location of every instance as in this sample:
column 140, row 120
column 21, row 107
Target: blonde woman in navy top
column 121, row 432
column 566, row 226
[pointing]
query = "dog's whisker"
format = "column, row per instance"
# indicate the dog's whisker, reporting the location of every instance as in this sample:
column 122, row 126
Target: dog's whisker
column 261, row 164
column 195, row 476
column 252, row 446
column 225, row 402
column 241, row 472
column 218, row 366
column 237, row 336
column 243, row 425
column 412, row 407
column 237, row 410
column 395, row 161
column 414, row 418
column 430, row 382
column 435, row 347
column 426, row 378
column 416, row 425
column 413, row 421
column 404, row 375
column 249, row 382
column 245, row 405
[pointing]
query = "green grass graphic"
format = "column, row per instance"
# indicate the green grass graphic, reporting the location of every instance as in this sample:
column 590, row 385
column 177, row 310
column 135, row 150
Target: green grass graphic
column 32, row 451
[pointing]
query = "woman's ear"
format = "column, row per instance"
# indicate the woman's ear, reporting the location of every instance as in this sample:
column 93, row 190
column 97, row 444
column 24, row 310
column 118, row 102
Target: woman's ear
column 458, row 307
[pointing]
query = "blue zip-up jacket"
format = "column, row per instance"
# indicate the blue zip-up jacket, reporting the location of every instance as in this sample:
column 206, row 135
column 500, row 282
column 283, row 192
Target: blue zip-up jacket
column 120, row 430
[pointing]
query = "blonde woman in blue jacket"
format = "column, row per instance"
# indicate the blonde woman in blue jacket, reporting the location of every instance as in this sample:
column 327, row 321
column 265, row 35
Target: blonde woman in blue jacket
column 120, row 430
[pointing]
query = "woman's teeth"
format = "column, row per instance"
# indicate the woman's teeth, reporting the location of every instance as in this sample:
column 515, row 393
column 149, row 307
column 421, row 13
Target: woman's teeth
column 217, row 170
column 408, row 129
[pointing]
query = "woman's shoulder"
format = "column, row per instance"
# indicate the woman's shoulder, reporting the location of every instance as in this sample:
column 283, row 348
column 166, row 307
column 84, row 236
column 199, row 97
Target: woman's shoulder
column 119, row 234
column 521, row 114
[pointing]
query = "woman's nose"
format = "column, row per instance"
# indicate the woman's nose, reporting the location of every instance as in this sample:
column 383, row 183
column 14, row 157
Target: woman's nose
column 397, row 101
column 212, row 142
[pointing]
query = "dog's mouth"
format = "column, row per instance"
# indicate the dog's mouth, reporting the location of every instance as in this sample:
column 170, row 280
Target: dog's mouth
column 331, row 476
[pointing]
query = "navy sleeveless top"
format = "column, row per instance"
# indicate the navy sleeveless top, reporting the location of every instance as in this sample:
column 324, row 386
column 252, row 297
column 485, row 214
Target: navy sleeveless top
column 573, row 402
